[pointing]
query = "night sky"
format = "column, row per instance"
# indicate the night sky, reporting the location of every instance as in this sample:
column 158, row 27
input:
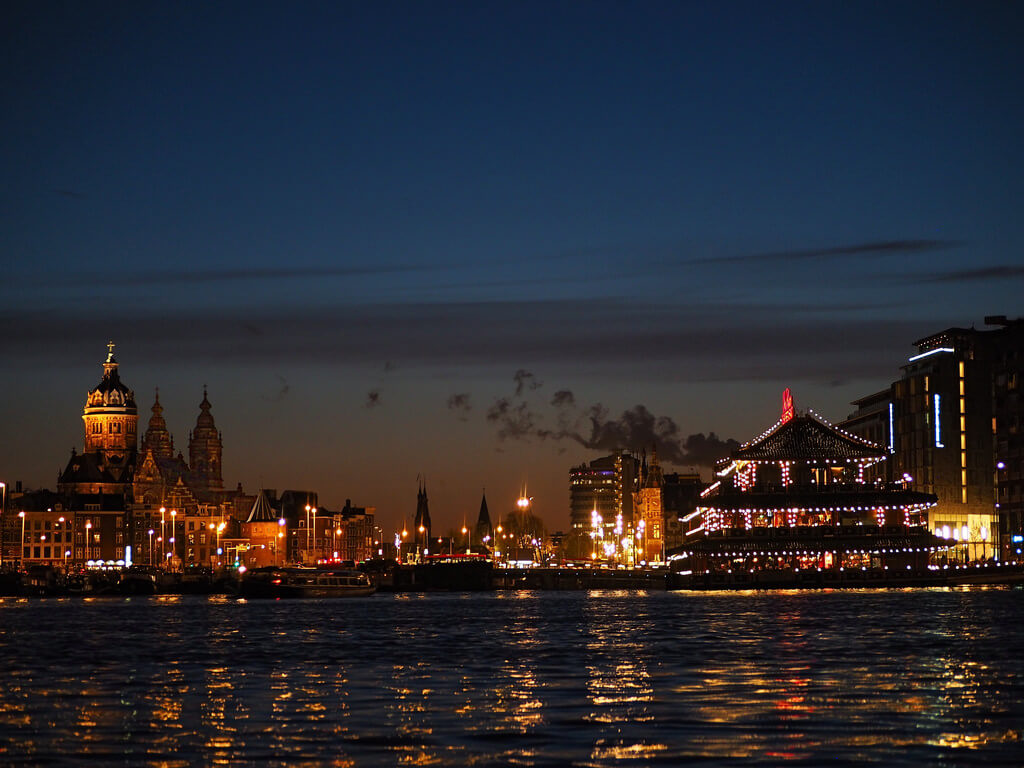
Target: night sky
column 485, row 242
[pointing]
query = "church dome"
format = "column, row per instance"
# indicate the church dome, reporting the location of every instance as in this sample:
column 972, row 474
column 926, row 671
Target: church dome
column 111, row 391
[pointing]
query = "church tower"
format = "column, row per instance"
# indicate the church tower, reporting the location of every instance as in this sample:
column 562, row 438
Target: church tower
column 204, row 451
column 651, row 503
column 422, row 521
column 484, row 529
column 111, row 419
column 157, row 439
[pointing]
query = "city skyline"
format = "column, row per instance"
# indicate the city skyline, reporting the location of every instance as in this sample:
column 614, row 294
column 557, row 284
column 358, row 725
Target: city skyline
column 484, row 245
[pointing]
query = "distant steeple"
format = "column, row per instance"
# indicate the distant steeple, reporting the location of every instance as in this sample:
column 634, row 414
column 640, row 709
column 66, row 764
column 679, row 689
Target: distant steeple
column 422, row 519
column 483, row 522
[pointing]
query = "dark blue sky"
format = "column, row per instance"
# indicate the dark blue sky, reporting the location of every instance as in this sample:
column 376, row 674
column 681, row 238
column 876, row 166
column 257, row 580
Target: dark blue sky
column 682, row 206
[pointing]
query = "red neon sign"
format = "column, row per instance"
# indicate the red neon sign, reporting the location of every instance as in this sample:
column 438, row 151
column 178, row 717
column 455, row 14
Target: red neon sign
column 787, row 405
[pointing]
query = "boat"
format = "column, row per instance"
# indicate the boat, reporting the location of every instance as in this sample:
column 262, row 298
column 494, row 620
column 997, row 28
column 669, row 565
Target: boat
column 138, row 580
column 305, row 582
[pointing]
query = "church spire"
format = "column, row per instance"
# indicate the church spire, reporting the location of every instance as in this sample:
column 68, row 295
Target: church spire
column 422, row 521
column 110, row 364
column 205, row 449
column 157, row 438
column 483, row 521
column 654, row 477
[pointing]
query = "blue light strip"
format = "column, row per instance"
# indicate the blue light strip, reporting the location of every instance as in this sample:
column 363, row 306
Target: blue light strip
column 892, row 431
column 930, row 352
column 938, row 426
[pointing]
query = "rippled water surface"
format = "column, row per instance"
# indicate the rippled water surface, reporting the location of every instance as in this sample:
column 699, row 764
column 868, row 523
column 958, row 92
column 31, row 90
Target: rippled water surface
column 529, row 678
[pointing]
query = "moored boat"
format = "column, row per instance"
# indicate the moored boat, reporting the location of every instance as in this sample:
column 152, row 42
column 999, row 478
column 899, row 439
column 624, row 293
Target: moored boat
column 304, row 582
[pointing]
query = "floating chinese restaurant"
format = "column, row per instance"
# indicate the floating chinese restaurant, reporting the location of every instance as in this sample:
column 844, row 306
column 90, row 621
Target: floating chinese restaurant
column 795, row 506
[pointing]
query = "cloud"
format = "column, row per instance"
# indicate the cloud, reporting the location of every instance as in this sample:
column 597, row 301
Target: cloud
column 515, row 422
column 638, row 428
column 563, row 398
column 281, row 393
column 720, row 342
column 460, row 404
column 593, row 428
column 995, row 272
column 704, row 450
column 872, row 248
column 372, row 398
column 525, row 380
column 199, row 276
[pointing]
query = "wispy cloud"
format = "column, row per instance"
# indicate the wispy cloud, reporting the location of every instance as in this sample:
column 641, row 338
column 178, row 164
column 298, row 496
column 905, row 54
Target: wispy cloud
column 872, row 248
column 197, row 277
column 515, row 417
column 722, row 342
column 460, row 404
column 995, row 272
column 281, row 393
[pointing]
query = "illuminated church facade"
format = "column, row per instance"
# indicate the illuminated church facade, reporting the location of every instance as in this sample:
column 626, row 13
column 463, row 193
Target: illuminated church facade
column 143, row 503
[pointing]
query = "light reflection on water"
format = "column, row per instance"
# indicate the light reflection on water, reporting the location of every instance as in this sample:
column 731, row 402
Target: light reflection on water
column 599, row 678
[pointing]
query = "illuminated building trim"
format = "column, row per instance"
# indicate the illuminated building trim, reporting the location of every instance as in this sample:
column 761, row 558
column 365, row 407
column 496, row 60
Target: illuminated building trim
column 938, row 422
column 892, row 429
column 930, row 352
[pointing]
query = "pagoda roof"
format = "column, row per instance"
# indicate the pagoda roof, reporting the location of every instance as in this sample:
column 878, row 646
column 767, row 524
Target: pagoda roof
column 822, row 497
column 807, row 438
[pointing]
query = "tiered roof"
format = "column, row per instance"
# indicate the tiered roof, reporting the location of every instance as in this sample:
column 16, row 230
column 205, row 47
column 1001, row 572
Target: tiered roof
column 807, row 438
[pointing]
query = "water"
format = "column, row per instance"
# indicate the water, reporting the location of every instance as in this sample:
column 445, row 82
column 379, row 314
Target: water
column 555, row 678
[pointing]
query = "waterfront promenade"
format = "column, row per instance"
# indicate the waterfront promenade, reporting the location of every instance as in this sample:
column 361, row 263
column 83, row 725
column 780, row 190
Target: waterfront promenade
column 482, row 576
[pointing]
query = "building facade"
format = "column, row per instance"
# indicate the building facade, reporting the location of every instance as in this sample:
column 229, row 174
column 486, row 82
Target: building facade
column 649, row 507
column 602, row 492
column 951, row 425
column 795, row 502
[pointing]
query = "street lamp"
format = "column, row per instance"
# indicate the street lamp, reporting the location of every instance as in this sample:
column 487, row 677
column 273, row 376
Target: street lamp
column 281, row 523
column 465, row 531
column 3, row 508
column 163, row 536
column 63, row 537
column 174, row 534
column 21, row 549
column 220, row 530
column 88, row 539
column 307, row 530
column 641, row 535
column 315, row 548
column 150, row 532
column 211, row 527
